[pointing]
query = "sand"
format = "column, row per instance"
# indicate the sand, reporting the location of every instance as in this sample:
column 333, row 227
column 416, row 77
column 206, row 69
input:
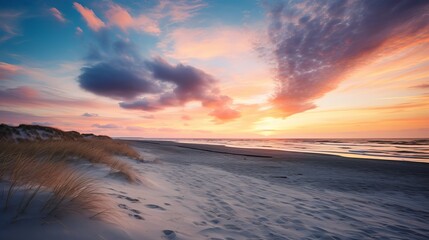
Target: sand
column 193, row 191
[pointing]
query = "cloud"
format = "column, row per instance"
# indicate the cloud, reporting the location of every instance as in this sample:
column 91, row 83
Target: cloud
column 89, row 115
column 57, row 14
column 9, row 21
column 19, row 95
column 134, row 128
column 120, row 17
column 314, row 44
column 187, row 84
column 116, row 79
column 108, row 126
column 91, row 19
column 15, row 118
column 151, row 85
column 204, row 43
column 42, row 123
column 149, row 21
column 178, row 11
column 78, row 31
column 28, row 96
column 151, row 116
column 186, row 118
column 7, row 70
column 422, row 86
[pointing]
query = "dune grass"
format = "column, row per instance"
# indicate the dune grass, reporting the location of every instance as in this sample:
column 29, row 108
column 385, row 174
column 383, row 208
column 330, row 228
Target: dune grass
column 43, row 170
column 94, row 151
column 57, row 187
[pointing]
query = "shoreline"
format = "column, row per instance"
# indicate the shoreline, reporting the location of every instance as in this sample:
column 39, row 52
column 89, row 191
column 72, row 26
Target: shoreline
column 307, row 169
column 266, row 152
column 329, row 149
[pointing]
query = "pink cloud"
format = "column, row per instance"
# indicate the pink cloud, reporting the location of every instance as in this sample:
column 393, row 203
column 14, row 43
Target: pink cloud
column 224, row 114
column 205, row 43
column 7, row 70
column 57, row 14
column 186, row 117
column 91, row 19
column 178, row 11
column 221, row 109
column 120, row 17
column 28, row 96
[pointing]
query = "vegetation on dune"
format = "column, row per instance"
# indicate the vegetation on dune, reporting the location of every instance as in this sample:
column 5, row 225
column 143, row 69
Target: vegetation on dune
column 42, row 170
column 55, row 185
column 92, row 150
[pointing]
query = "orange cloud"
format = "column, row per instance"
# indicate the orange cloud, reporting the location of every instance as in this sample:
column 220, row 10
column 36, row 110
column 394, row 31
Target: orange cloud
column 118, row 16
column 91, row 19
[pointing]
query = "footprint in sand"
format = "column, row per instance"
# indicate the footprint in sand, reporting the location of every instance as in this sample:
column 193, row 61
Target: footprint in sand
column 169, row 234
column 130, row 199
column 123, row 206
column 133, row 200
column 133, row 212
column 231, row 227
column 215, row 221
column 153, row 206
column 136, row 216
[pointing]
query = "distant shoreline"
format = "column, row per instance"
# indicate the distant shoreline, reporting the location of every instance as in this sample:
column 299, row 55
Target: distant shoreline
column 250, row 150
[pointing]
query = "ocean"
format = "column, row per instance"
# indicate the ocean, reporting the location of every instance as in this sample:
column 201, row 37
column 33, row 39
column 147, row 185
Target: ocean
column 414, row 150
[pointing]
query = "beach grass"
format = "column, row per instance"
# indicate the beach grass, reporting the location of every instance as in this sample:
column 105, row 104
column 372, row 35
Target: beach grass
column 57, row 186
column 92, row 150
column 45, row 170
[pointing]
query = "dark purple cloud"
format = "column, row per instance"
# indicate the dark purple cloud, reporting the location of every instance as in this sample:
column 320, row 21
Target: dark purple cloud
column 157, row 83
column 117, row 80
column 315, row 43
column 185, row 84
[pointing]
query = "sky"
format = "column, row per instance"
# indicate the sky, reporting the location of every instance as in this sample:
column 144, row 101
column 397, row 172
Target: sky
column 217, row 69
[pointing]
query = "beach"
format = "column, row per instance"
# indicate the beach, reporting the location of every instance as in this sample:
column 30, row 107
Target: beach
column 266, row 194
column 197, row 191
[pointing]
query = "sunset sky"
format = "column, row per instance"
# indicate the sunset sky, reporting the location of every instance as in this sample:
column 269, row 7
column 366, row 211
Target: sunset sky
column 236, row 69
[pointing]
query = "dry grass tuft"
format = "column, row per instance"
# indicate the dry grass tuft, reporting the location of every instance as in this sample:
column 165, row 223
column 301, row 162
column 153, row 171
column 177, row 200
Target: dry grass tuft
column 92, row 150
column 38, row 175
column 116, row 147
column 62, row 188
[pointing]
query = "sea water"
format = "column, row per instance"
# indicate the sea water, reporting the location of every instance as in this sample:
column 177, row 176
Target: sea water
column 415, row 150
